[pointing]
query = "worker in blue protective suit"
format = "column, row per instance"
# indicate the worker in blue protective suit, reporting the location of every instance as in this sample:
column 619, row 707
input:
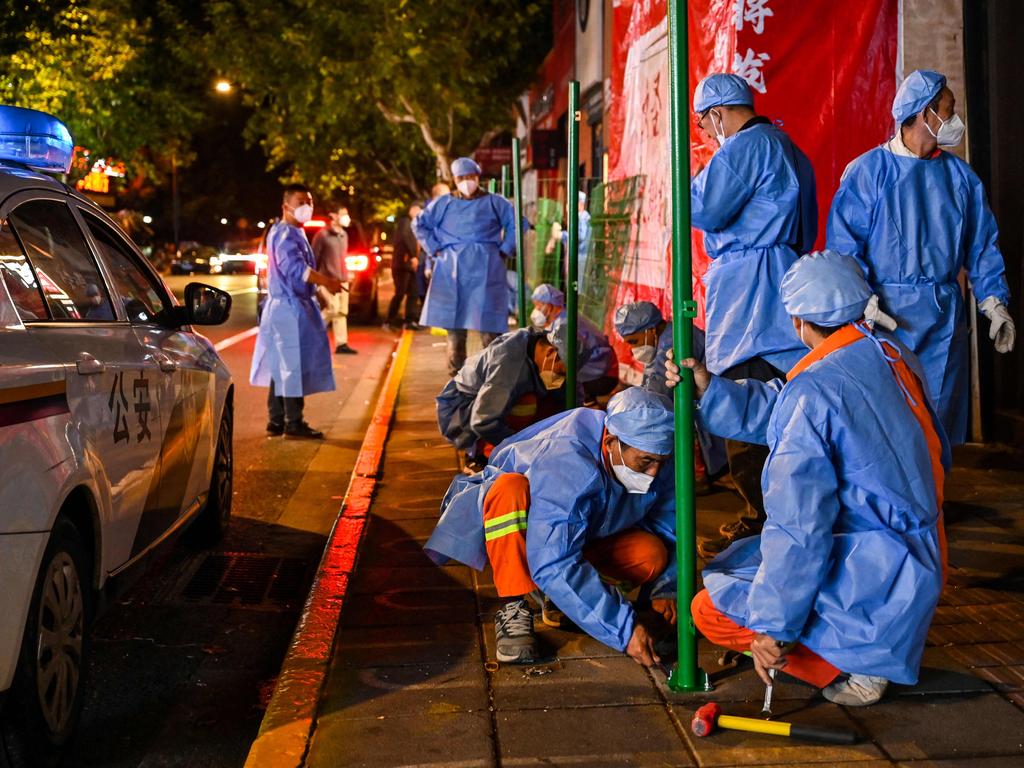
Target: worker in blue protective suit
column 641, row 325
column 915, row 216
column 584, row 232
column 292, row 354
column 516, row 381
column 470, row 234
column 755, row 202
column 598, row 370
column 570, row 506
column 840, row 587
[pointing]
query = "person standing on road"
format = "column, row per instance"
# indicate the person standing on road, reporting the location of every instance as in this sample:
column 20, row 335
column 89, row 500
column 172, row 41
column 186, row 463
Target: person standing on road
column 330, row 246
column 470, row 233
column 437, row 191
column 755, row 203
column 404, row 264
column 292, row 355
column 915, row 216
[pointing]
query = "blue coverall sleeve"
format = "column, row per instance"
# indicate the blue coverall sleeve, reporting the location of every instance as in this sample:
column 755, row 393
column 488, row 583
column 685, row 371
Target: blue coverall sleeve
column 494, row 399
column 739, row 410
column 425, row 226
column 849, row 219
column 507, row 216
column 555, row 537
column 802, row 502
column 985, row 263
column 291, row 263
column 718, row 194
column 662, row 523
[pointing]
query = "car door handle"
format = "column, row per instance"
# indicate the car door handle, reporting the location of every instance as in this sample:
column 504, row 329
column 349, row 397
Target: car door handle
column 88, row 365
column 167, row 365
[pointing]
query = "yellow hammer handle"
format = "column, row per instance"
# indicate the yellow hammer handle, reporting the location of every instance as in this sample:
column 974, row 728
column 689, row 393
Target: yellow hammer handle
column 733, row 723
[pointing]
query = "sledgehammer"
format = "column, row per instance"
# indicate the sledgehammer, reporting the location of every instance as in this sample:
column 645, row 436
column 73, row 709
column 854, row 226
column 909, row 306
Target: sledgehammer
column 710, row 716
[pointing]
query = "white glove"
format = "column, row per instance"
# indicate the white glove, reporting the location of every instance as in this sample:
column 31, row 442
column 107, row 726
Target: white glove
column 1002, row 331
column 556, row 230
column 874, row 316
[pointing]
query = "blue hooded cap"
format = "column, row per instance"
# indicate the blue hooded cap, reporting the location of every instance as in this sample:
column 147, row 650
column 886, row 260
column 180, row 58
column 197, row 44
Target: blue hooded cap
column 548, row 294
column 642, row 419
column 916, row 92
column 465, row 166
column 825, row 288
column 721, row 90
column 638, row 316
column 558, row 335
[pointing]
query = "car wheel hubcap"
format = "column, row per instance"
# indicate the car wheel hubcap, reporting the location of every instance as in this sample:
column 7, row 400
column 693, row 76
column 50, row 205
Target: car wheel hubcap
column 59, row 655
column 223, row 480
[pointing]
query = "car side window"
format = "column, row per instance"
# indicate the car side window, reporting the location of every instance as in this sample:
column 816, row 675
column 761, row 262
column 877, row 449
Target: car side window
column 20, row 279
column 71, row 282
column 143, row 301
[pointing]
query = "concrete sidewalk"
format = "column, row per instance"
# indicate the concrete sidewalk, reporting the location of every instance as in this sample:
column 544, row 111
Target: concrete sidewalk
column 412, row 681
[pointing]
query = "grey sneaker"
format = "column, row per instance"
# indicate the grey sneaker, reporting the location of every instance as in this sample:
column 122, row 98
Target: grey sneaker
column 513, row 629
column 856, row 691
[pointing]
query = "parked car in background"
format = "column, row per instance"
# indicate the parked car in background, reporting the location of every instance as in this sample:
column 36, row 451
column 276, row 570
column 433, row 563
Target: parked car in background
column 193, row 259
column 363, row 269
column 115, row 427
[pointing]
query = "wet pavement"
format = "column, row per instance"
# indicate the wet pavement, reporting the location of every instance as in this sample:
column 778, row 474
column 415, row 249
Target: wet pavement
column 413, row 682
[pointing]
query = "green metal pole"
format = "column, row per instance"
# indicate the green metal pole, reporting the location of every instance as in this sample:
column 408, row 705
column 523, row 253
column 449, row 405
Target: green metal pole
column 504, row 181
column 492, row 185
column 517, row 192
column 686, row 676
column 572, row 190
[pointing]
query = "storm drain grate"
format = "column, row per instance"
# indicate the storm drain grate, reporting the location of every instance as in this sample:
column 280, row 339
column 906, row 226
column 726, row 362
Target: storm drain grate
column 248, row 581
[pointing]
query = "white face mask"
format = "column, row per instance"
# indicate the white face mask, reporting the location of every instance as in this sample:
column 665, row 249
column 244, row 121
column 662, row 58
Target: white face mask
column 345, row 220
column 645, row 354
column 951, row 131
column 467, row 187
column 549, row 378
column 303, row 213
column 538, row 319
column 802, row 341
column 632, row 481
column 719, row 129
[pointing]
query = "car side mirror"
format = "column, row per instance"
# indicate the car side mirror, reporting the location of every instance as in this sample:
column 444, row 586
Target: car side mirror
column 206, row 305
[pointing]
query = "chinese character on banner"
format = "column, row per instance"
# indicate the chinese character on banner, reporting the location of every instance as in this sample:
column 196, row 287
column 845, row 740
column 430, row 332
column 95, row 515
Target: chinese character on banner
column 753, row 12
column 142, row 407
column 749, row 68
column 118, row 405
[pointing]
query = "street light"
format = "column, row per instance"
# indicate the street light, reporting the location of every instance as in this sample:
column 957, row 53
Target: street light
column 147, row 219
column 261, row 224
column 223, row 86
column 223, row 221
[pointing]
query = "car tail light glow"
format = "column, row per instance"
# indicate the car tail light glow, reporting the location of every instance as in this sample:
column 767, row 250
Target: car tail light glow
column 357, row 262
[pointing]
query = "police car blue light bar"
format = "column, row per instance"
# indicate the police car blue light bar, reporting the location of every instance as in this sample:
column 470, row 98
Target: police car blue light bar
column 36, row 139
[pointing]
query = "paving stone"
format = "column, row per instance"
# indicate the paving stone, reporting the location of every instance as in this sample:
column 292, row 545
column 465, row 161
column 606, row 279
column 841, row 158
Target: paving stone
column 429, row 606
column 463, row 739
column 379, row 578
column 975, row 762
column 949, row 727
column 729, row 748
column 989, row 654
column 1004, row 678
column 393, row 646
column 425, row 689
column 1006, row 630
column 595, row 737
column 554, row 643
column 943, row 682
column 573, row 683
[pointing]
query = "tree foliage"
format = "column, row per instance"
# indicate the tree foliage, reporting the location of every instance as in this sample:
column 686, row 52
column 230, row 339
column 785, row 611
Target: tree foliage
column 378, row 94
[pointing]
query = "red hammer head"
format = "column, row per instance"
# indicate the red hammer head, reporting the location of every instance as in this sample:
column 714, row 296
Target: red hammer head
column 705, row 719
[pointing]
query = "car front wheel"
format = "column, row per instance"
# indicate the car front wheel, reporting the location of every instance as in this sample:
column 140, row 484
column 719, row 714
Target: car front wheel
column 212, row 523
column 46, row 698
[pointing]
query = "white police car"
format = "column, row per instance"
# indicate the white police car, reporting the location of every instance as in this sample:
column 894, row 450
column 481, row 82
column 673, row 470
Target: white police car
column 115, row 424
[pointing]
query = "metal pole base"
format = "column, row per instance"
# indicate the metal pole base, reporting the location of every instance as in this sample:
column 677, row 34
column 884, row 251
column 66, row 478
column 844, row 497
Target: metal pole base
column 701, row 684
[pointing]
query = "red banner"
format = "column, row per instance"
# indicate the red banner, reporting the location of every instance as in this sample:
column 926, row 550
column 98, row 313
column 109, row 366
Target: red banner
column 826, row 71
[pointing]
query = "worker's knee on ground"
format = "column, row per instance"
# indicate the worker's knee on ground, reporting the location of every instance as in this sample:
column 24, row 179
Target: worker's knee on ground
column 655, row 556
column 634, row 556
column 508, row 492
column 699, row 607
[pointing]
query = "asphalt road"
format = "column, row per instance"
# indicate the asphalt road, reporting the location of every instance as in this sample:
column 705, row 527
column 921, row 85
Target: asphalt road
column 184, row 661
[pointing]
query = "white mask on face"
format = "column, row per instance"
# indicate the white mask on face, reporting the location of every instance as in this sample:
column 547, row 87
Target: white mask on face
column 632, row 481
column 303, row 213
column 719, row 129
column 645, row 354
column 538, row 319
column 951, row 131
column 802, row 336
column 345, row 220
column 467, row 187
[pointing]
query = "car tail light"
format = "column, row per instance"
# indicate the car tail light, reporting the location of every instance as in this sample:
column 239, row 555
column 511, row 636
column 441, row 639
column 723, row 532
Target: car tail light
column 357, row 262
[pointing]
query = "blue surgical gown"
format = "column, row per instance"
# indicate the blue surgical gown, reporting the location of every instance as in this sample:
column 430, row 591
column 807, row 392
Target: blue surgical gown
column 468, row 288
column 292, row 350
column 755, row 202
column 573, row 501
column 914, row 224
column 848, row 562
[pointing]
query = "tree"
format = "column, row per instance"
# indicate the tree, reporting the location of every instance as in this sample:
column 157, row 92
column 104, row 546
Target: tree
column 377, row 95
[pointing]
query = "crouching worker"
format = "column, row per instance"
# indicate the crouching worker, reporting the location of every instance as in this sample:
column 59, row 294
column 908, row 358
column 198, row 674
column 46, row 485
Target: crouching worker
column 840, row 587
column 598, row 370
column 515, row 382
column 566, row 506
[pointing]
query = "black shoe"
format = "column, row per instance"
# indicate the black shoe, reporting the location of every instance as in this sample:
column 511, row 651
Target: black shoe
column 345, row 349
column 303, row 430
column 412, row 326
column 474, row 464
column 275, row 429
